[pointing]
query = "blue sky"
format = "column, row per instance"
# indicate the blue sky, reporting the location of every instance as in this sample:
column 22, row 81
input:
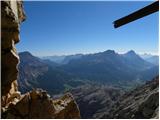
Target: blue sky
column 58, row 28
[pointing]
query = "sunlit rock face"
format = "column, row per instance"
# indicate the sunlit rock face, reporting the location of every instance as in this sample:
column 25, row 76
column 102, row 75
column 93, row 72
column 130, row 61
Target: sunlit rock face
column 34, row 104
column 12, row 15
column 37, row 104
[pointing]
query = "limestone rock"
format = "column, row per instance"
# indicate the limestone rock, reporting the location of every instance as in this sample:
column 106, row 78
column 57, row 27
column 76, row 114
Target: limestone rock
column 37, row 103
column 11, row 17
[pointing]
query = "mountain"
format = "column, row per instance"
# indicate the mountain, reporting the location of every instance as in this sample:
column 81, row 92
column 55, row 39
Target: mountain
column 140, row 103
column 109, row 67
column 64, row 59
column 154, row 59
column 37, row 73
column 30, row 68
column 108, row 102
column 134, row 60
column 56, row 59
column 145, row 56
column 93, row 98
column 100, row 83
column 68, row 58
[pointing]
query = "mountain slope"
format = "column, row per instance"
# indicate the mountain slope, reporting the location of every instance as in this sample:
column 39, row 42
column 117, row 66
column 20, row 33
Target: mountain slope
column 154, row 60
column 30, row 68
column 141, row 103
column 37, row 73
column 93, row 98
column 108, row 67
column 64, row 59
column 135, row 61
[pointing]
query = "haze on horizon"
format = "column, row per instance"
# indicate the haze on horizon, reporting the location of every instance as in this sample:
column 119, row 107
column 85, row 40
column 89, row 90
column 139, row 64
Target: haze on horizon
column 65, row 28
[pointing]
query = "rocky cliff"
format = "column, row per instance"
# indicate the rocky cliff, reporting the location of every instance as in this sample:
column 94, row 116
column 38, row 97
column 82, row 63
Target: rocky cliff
column 34, row 104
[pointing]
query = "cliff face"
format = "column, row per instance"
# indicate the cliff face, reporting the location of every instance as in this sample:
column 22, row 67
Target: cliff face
column 34, row 104
column 12, row 16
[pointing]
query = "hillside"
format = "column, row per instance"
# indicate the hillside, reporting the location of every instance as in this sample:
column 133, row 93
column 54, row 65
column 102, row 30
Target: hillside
column 108, row 102
column 142, row 102
column 93, row 98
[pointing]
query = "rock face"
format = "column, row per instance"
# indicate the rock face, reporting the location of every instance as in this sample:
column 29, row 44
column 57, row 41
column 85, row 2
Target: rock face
column 12, row 16
column 34, row 104
column 37, row 104
column 141, row 103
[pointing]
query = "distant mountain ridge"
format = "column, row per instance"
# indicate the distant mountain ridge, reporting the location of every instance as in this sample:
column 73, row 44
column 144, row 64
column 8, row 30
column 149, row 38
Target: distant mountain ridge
column 64, row 59
column 108, row 67
column 154, row 59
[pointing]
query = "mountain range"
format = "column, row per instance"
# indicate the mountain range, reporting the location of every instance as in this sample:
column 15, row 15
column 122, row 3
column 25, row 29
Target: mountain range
column 154, row 59
column 99, row 82
column 123, row 70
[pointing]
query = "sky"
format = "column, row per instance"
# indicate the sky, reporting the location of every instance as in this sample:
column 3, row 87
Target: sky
column 63, row 28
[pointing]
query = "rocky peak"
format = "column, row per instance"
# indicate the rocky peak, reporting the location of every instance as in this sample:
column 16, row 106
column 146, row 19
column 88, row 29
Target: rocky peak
column 111, row 52
column 130, row 53
column 25, row 53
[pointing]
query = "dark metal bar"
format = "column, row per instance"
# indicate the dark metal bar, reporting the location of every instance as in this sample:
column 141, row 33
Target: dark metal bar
column 154, row 7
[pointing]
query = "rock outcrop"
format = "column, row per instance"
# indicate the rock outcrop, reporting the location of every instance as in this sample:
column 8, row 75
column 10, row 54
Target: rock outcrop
column 34, row 104
column 37, row 104
column 12, row 15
